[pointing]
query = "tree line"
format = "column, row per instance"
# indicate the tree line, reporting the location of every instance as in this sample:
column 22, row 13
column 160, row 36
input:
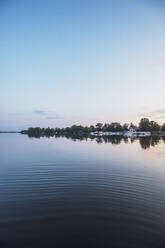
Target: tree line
column 144, row 125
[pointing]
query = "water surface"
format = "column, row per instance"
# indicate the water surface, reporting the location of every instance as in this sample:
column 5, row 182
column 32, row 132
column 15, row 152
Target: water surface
column 56, row 192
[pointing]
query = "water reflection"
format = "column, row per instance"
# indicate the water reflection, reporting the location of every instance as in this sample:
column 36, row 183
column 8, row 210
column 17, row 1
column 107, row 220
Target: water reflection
column 145, row 142
column 63, row 193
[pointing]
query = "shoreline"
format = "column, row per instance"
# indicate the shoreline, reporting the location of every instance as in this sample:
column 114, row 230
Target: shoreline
column 156, row 134
column 10, row 131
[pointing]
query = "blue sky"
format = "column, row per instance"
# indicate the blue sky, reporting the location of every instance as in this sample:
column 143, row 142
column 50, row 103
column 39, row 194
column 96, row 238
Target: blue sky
column 81, row 61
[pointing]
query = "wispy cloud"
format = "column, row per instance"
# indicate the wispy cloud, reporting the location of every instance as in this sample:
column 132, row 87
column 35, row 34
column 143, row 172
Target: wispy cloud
column 53, row 117
column 39, row 112
column 161, row 117
column 157, row 113
column 50, row 115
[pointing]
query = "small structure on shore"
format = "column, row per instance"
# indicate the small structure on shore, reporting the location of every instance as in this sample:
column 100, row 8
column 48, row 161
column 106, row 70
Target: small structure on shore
column 130, row 133
column 100, row 133
column 137, row 134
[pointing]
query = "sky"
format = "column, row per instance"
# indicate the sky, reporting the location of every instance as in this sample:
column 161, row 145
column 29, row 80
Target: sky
column 65, row 62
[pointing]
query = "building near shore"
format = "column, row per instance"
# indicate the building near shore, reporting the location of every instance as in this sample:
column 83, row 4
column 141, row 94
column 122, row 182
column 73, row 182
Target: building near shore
column 130, row 133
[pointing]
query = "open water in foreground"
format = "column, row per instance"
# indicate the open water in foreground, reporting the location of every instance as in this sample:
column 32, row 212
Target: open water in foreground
column 56, row 192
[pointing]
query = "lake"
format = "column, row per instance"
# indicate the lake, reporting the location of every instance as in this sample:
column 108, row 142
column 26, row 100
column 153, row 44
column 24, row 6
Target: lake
column 59, row 192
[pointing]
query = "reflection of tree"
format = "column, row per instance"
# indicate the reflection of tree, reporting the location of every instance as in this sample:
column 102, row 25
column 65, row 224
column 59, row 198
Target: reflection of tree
column 145, row 142
column 163, row 138
column 115, row 140
column 75, row 137
column 155, row 140
column 99, row 140
column 125, row 139
column 133, row 139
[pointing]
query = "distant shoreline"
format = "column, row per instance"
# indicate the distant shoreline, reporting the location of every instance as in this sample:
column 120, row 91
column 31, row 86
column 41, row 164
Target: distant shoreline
column 145, row 128
column 158, row 134
column 10, row 131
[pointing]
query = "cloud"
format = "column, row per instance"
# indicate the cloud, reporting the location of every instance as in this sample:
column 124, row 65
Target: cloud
column 50, row 115
column 39, row 112
column 157, row 113
column 53, row 117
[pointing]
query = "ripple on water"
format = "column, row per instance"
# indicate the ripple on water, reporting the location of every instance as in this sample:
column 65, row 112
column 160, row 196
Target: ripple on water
column 82, row 203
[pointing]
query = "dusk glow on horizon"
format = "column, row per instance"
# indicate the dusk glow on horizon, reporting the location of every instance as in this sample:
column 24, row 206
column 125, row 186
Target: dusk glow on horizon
column 81, row 62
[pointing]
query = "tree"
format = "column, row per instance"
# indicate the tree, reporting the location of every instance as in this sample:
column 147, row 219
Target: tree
column 163, row 127
column 125, row 127
column 144, row 124
column 154, row 126
column 105, row 127
column 115, row 127
column 91, row 129
column 99, row 126
column 132, row 126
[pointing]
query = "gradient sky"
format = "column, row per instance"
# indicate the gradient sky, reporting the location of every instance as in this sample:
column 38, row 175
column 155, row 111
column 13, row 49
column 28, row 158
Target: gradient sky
column 81, row 61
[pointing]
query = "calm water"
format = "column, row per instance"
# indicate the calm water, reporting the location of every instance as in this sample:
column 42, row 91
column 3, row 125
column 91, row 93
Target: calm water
column 65, row 193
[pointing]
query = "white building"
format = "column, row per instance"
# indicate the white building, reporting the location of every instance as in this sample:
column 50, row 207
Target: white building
column 133, row 133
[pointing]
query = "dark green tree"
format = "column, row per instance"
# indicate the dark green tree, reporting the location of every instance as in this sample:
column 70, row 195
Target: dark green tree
column 154, row 126
column 99, row 126
column 144, row 124
column 115, row 127
column 163, row 127
column 125, row 127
